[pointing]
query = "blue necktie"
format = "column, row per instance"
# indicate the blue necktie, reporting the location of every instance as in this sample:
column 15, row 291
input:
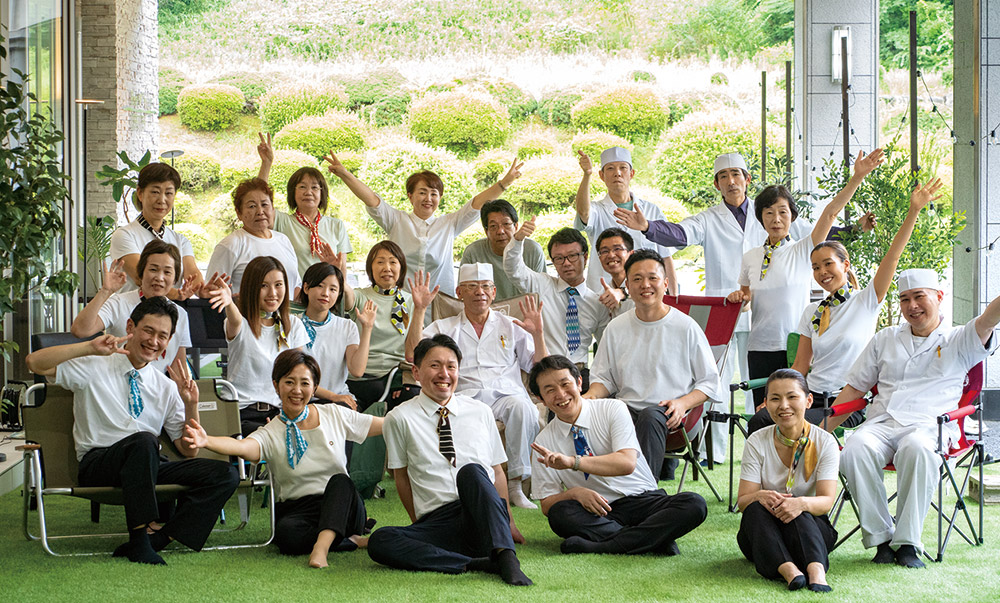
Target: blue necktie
column 134, row 395
column 572, row 321
column 581, row 445
column 295, row 444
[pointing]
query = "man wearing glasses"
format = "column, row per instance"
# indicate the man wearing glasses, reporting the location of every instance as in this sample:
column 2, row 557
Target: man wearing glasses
column 614, row 247
column 500, row 223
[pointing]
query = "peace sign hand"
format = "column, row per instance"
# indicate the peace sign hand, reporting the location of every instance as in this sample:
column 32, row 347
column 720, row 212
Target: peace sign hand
column 106, row 345
column 113, row 278
column 265, row 149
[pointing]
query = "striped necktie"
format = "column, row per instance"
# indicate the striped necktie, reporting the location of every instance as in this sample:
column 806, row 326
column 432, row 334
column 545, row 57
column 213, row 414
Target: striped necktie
column 581, row 445
column 572, row 321
column 445, row 444
column 134, row 395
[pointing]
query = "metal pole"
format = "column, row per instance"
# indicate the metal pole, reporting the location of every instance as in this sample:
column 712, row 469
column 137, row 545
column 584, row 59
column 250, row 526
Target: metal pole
column 763, row 127
column 788, row 121
column 914, row 164
column 845, row 105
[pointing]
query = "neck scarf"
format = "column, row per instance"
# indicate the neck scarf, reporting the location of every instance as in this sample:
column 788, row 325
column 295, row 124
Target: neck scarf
column 145, row 224
column 314, row 240
column 279, row 327
column 399, row 317
column 821, row 319
column 768, row 250
column 295, row 444
column 311, row 325
column 804, row 448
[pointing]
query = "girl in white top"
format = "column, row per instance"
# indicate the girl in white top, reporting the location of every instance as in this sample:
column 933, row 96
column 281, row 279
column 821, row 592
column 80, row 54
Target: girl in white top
column 788, row 484
column 334, row 341
column 774, row 278
column 318, row 506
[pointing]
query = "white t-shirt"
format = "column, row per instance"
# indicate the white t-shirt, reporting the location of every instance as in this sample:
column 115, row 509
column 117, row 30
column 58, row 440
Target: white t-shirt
column 852, row 325
column 234, row 252
column 762, row 465
column 251, row 360
column 331, row 230
column 608, row 428
column 115, row 312
column 133, row 238
column 643, row 363
column 778, row 300
column 412, row 442
column 100, row 387
column 331, row 343
column 324, row 457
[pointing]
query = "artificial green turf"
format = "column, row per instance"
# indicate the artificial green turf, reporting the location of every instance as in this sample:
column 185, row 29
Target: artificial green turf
column 710, row 567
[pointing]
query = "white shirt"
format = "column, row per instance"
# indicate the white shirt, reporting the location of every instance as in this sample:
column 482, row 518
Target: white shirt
column 234, row 252
column 852, row 325
column 778, row 300
column 643, row 363
column 252, row 358
column 491, row 363
column 607, row 427
column 427, row 244
column 133, row 238
column 114, row 315
column 411, row 440
column 100, row 387
column 551, row 290
column 331, row 230
column 602, row 218
column 332, row 340
column 762, row 465
column 324, row 457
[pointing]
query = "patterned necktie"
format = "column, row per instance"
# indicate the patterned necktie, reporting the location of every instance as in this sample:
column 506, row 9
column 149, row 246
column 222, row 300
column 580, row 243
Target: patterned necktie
column 768, row 250
column 445, row 444
column 398, row 315
column 572, row 321
column 311, row 325
column 821, row 319
column 582, row 447
column 134, row 395
column 295, row 444
column 145, row 224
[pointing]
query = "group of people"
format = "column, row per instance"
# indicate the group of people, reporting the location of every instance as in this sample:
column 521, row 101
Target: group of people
column 594, row 464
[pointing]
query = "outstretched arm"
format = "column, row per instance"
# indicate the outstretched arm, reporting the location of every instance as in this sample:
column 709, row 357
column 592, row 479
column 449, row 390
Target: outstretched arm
column 495, row 191
column 88, row 321
column 196, row 438
column 988, row 320
column 44, row 361
column 422, row 298
column 862, row 167
column 359, row 188
column 583, row 192
column 887, row 267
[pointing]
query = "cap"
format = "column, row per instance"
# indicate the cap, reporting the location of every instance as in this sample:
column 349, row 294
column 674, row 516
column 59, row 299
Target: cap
column 728, row 161
column 918, row 278
column 615, row 154
column 475, row 272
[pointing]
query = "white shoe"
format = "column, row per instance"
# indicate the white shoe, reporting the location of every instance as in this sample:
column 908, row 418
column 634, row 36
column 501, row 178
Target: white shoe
column 518, row 499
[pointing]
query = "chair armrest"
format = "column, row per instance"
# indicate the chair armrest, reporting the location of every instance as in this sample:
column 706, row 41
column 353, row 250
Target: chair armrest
column 958, row 413
column 846, row 408
column 753, row 384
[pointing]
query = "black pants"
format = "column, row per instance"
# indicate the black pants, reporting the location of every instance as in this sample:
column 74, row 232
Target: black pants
column 252, row 419
column 761, row 365
column 651, row 431
column 446, row 539
column 338, row 508
column 644, row 523
column 134, row 465
column 769, row 542
column 368, row 391
column 814, row 415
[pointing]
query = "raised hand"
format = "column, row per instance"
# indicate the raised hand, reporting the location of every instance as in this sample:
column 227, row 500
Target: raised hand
column 366, row 315
column 865, row 164
column 532, row 313
column 513, row 173
column 187, row 288
column 553, row 460
column 868, row 221
column 420, row 290
column 113, row 278
column 181, row 376
column 106, row 345
column 328, row 255
column 221, row 296
column 265, row 149
column 611, row 297
column 585, row 164
column 213, row 283
column 336, row 168
column 526, row 230
column 928, row 193
column 631, row 219
column 194, row 435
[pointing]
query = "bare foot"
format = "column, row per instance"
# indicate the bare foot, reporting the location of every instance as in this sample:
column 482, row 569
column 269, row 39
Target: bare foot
column 361, row 541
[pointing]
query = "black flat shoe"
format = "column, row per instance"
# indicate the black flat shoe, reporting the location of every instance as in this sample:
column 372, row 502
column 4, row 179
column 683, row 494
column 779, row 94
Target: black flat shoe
column 884, row 555
column 820, row 588
column 797, row 582
column 908, row 556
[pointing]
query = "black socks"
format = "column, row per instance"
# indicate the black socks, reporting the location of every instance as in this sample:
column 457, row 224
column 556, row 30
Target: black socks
column 510, row 569
column 139, row 549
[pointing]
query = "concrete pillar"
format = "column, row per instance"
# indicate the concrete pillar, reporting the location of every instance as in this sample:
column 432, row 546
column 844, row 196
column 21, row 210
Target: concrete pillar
column 137, row 46
column 98, row 79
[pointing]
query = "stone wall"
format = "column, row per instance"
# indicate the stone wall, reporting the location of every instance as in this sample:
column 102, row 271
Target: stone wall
column 137, row 44
column 98, row 81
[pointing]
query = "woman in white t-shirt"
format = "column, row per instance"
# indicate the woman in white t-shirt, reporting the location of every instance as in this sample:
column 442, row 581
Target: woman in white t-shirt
column 788, row 484
column 318, row 507
column 834, row 331
column 774, row 278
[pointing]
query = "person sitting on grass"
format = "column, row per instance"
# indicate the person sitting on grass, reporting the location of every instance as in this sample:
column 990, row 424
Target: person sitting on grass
column 590, row 477
column 788, row 483
column 120, row 406
column 318, row 508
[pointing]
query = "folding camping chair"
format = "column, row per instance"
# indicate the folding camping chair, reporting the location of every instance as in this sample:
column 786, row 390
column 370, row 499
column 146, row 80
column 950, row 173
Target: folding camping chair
column 717, row 318
column 967, row 453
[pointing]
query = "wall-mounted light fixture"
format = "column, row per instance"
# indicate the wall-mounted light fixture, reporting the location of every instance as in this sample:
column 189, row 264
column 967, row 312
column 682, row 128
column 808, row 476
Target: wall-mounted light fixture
column 840, row 32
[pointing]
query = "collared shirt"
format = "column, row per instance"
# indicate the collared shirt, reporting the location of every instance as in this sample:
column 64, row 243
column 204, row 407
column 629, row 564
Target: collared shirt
column 235, row 251
column 739, row 212
column 100, row 387
column 252, row 358
column 331, row 230
column 552, row 291
column 778, row 299
column 385, row 350
column 480, row 252
column 607, row 426
column 412, row 443
column 427, row 244
column 114, row 315
column 491, row 362
column 133, row 238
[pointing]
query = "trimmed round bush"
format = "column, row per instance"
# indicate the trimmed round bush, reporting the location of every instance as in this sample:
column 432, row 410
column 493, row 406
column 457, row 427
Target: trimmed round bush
column 548, row 184
column 286, row 162
column 221, row 215
column 490, row 166
column 211, row 107
column 536, row 144
column 593, row 142
column 672, row 209
column 199, row 169
column 387, row 167
column 461, row 121
column 641, row 76
column 172, row 82
column 380, row 96
column 555, row 107
column 352, row 160
column 316, row 135
column 719, row 79
column 184, row 206
column 201, row 241
column 632, row 111
column 253, row 85
column 282, row 105
column 519, row 103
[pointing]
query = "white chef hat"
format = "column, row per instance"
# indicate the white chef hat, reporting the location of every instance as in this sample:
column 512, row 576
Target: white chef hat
column 918, row 278
column 615, row 154
column 475, row 272
column 728, row 161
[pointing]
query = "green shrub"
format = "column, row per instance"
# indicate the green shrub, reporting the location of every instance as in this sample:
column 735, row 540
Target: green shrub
column 593, row 142
column 555, row 107
column 212, row 107
column 184, row 207
column 253, row 85
column 318, row 134
column 519, row 103
column 199, row 169
column 460, row 121
column 548, row 224
column 549, row 184
column 719, row 79
column 387, row 167
column 389, row 111
column 221, row 215
column 171, row 83
column 567, row 36
column 672, row 209
column 286, row 162
column 535, row 144
column 369, row 88
column 632, row 111
column 282, row 105
column 352, row 160
column 490, row 166
column 641, row 76
column 201, row 242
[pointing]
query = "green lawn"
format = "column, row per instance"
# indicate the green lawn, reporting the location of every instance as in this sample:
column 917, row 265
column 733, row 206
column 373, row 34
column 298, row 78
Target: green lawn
column 709, row 569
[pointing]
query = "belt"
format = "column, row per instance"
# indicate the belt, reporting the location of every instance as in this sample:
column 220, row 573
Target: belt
column 261, row 407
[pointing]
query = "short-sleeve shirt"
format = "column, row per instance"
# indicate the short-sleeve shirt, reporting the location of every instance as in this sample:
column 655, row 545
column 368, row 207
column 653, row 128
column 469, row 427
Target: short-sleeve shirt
column 331, row 230
column 479, row 252
column 762, row 465
column 412, row 443
column 252, row 358
column 234, row 252
column 115, row 312
column 607, row 426
column 100, row 387
column 133, row 238
column 387, row 346
column 324, row 457
column 329, row 348
column 777, row 301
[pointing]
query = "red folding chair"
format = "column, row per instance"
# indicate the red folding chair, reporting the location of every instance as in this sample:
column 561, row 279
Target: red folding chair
column 717, row 318
column 967, row 453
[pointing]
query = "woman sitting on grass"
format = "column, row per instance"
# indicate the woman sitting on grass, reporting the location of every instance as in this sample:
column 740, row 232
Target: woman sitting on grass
column 787, row 486
column 318, row 507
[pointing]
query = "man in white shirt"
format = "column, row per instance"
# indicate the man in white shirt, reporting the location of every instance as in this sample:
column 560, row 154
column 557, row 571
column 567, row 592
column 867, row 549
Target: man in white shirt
column 445, row 455
column 496, row 349
column 500, row 221
column 614, row 246
column 593, row 484
column 656, row 359
column 120, row 405
column 920, row 370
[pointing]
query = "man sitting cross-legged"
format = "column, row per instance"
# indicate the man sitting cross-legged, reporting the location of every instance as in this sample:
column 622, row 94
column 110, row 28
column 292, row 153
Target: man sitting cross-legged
column 445, row 455
column 120, row 405
column 591, row 479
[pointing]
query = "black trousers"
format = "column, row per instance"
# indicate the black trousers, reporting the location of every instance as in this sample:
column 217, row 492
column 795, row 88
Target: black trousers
column 134, row 465
column 251, row 419
column 644, row 523
column 368, row 391
column 769, row 542
column 814, row 415
column 338, row 508
column 446, row 539
column 761, row 365
column 651, row 431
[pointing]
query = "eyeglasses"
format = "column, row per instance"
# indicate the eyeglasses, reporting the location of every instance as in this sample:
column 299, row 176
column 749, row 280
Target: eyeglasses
column 562, row 259
column 497, row 227
column 471, row 287
column 616, row 249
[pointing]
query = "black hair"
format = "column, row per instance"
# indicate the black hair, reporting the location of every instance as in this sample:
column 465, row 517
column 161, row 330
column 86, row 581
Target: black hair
column 497, row 206
column 616, row 232
column 771, row 195
column 155, row 306
column 439, row 340
column 566, row 236
column 550, row 363
column 314, row 277
column 289, row 359
column 644, row 254
column 791, row 374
